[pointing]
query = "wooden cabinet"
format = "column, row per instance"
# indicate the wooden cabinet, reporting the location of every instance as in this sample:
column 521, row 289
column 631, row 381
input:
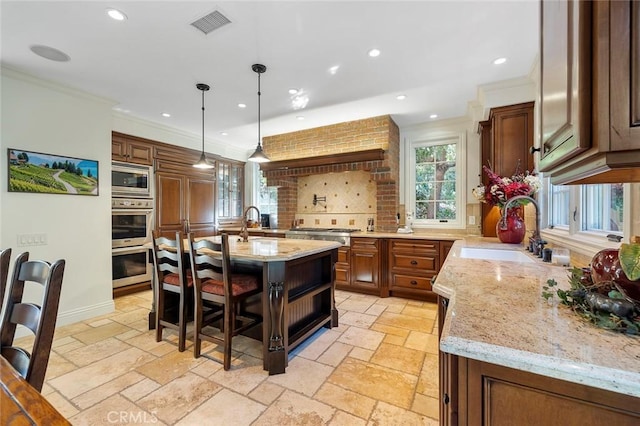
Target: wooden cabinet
column 565, row 81
column 505, row 138
column 130, row 149
column 230, row 189
column 602, row 139
column 343, row 267
column 412, row 265
column 365, row 265
column 185, row 200
column 448, row 369
column 496, row 395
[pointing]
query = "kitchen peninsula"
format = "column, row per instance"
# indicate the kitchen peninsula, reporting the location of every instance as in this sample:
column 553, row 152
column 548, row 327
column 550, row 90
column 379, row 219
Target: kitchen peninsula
column 298, row 290
column 508, row 356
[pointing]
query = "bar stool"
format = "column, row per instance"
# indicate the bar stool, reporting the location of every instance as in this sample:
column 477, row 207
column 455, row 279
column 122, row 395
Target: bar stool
column 214, row 283
column 39, row 319
column 5, row 257
column 171, row 276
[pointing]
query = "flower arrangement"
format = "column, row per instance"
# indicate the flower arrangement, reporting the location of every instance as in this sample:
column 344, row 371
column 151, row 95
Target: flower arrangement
column 500, row 189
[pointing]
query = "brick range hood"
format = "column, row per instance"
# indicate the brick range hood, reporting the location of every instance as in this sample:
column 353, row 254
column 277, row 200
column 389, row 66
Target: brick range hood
column 370, row 145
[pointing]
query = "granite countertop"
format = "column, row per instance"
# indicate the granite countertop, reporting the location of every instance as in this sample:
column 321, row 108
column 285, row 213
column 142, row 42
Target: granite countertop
column 269, row 249
column 497, row 314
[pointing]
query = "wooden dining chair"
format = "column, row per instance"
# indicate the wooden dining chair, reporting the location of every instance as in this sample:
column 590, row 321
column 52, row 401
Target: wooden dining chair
column 214, row 283
column 5, row 257
column 39, row 319
column 172, row 276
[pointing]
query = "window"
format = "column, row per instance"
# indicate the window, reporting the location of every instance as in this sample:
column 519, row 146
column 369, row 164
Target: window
column 559, row 204
column 602, row 206
column 597, row 209
column 436, row 176
column 267, row 196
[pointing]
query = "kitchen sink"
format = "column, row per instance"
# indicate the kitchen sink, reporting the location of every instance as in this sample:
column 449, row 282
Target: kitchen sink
column 494, row 254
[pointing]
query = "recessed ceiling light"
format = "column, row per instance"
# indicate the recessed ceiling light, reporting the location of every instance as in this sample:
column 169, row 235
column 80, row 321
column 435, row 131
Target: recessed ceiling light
column 293, row 91
column 334, row 69
column 242, row 105
column 374, row 53
column 224, row 133
column 433, row 116
column 166, row 114
column 50, row 53
column 299, row 101
column 401, row 97
column 300, row 117
column 499, row 61
column 116, row 14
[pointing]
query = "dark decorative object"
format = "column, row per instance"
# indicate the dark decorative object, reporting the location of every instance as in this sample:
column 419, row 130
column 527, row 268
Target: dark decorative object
column 31, row 171
column 512, row 230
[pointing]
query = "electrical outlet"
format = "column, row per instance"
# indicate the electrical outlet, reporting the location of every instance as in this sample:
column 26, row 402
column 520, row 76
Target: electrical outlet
column 472, row 220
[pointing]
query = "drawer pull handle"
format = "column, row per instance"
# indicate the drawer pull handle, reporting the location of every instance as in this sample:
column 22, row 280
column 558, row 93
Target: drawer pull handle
column 414, row 262
column 414, row 282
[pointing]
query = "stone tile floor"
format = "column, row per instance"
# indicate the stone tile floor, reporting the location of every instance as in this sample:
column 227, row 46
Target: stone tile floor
column 379, row 367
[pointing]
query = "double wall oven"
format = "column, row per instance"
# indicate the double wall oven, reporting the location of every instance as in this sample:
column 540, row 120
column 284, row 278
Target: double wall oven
column 132, row 216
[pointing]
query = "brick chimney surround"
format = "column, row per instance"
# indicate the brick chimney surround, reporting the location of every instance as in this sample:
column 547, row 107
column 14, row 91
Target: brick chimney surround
column 371, row 144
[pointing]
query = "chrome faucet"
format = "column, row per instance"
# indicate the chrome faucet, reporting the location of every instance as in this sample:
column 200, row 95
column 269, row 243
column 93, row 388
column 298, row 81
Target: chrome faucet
column 244, row 232
column 503, row 220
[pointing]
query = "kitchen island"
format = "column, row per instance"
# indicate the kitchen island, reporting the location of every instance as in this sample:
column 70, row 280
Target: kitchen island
column 508, row 356
column 298, row 295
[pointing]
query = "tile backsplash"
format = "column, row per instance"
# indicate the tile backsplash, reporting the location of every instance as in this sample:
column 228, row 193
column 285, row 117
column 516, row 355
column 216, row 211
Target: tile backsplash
column 343, row 200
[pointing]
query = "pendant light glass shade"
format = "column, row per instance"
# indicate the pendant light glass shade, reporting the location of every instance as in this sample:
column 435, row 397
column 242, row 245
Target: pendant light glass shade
column 203, row 163
column 259, row 156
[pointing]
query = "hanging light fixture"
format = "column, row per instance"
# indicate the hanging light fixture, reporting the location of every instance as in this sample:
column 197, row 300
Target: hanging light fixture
column 203, row 163
column 258, row 156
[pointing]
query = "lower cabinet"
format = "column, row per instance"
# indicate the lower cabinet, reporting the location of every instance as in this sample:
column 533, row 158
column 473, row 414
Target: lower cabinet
column 343, row 268
column 479, row 393
column 412, row 265
column 365, row 265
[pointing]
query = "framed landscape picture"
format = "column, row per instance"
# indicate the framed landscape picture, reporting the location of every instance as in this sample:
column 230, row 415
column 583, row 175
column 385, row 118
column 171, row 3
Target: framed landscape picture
column 51, row 174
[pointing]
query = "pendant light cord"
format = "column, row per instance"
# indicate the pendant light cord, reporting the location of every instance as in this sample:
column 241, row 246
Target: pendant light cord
column 203, row 121
column 259, row 139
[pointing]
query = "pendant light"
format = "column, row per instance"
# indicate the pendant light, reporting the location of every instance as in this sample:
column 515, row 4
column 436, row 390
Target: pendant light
column 258, row 156
column 203, row 163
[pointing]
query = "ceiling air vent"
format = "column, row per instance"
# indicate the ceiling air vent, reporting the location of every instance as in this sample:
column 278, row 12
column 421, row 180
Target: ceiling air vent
column 211, row 22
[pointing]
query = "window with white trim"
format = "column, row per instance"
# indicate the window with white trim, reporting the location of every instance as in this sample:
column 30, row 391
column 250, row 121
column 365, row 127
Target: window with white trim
column 437, row 182
column 267, row 196
column 559, row 205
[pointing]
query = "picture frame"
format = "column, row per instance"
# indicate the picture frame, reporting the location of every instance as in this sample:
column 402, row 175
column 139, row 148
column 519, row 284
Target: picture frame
column 37, row 172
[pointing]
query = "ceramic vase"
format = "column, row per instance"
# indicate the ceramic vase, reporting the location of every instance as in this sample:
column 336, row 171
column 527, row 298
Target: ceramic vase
column 512, row 230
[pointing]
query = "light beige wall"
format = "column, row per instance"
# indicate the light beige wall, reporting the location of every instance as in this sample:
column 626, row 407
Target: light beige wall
column 42, row 117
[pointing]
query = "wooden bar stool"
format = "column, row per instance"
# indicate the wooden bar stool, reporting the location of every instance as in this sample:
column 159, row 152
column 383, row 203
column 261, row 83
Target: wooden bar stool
column 214, row 283
column 171, row 276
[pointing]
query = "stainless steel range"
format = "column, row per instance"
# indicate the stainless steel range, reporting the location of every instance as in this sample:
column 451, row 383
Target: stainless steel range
column 341, row 235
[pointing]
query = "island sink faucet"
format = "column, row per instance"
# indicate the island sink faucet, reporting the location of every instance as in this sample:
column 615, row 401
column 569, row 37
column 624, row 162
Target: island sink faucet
column 244, row 232
column 503, row 220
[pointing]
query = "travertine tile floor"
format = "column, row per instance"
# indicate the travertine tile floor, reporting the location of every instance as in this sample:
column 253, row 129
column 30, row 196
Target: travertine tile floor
column 379, row 367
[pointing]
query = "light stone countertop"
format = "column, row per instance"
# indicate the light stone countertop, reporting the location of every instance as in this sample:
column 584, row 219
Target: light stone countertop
column 271, row 249
column 496, row 314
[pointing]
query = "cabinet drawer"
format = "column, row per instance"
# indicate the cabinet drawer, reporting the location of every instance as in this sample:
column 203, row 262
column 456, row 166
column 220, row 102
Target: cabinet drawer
column 410, row 281
column 415, row 246
column 413, row 262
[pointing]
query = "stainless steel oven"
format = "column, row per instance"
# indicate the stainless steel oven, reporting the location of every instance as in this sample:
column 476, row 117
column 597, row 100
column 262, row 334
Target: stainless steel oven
column 131, row 265
column 131, row 221
column 131, row 180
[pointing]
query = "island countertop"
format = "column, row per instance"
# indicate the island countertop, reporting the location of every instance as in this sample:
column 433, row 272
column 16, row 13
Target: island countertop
column 270, row 249
column 497, row 314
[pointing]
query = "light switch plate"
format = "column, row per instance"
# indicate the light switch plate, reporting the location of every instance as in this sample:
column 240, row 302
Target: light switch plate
column 472, row 220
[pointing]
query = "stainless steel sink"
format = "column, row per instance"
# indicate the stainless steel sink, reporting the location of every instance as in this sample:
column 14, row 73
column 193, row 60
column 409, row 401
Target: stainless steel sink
column 494, row 254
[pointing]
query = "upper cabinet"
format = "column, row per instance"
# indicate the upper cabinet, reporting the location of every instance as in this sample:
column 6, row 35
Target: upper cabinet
column 230, row 186
column 590, row 91
column 130, row 149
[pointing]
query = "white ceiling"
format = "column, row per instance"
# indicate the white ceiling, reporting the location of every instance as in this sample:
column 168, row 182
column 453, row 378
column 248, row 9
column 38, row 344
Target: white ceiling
column 436, row 53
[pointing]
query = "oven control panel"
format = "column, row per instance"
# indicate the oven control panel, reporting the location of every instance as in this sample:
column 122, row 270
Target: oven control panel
column 131, row 203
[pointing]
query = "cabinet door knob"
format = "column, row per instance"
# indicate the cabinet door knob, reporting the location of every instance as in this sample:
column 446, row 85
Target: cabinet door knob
column 414, row 282
column 445, row 398
column 414, row 262
column 533, row 150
